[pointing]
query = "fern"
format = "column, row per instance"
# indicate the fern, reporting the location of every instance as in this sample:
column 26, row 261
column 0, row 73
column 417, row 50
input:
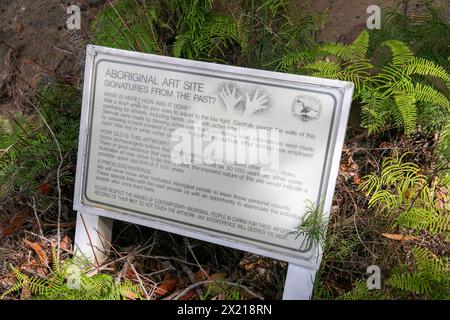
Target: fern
column 181, row 28
column 360, row 291
column 426, row 31
column 125, row 25
column 435, row 222
column 430, row 276
column 407, row 112
column 28, row 152
column 278, row 35
column 398, row 182
column 223, row 290
column 396, row 92
column 59, row 285
column 403, row 192
column 401, row 54
column 375, row 109
column 426, row 67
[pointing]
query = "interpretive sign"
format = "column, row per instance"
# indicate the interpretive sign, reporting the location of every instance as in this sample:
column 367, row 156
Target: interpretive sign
column 229, row 155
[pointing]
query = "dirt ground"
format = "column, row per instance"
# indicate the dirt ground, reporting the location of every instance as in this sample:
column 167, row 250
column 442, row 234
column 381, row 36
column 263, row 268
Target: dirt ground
column 35, row 42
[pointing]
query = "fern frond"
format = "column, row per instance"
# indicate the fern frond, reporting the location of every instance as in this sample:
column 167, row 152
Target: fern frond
column 359, row 292
column 181, row 41
column 326, row 69
column 295, row 59
column 419, row 219
column 431, row 275
column 425, row 93
column 401, row 54
column 407, row 112
column 339, row 50
column 404, row 280
column 376, row 110
column 426, row 67
column 361, row 45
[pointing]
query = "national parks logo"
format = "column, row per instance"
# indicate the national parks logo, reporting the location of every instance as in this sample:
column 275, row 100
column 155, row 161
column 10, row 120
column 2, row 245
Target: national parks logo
column 306, row 108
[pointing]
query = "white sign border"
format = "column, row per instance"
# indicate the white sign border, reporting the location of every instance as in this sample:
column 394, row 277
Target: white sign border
column 335, row 152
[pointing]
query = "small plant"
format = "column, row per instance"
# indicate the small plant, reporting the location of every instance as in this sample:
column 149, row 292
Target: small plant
column 69, row 280
column 223, row 291
column 273, row 29
column 313, row 226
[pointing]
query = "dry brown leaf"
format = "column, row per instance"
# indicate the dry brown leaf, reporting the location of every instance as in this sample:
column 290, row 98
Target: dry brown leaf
column 25, row 293
column 200, row 275
column 15, row 223
column 219, row 276
column 166, row 287
column 38, row 249
column 399, row 237
column 66, row 242
column 130, row 295
column 45, row 188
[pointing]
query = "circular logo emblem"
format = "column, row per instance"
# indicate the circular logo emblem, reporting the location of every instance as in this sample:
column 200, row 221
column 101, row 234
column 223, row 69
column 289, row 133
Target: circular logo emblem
column 306, row 108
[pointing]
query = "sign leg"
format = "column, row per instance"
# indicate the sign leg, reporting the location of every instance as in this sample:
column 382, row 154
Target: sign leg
column 93, row 237
column 299, row 283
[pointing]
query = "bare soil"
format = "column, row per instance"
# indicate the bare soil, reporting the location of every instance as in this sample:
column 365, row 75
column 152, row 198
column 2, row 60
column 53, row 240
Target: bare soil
column 35, row 44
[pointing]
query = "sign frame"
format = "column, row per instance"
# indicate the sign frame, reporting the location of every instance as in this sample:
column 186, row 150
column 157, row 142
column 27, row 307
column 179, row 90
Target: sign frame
column 94, row 224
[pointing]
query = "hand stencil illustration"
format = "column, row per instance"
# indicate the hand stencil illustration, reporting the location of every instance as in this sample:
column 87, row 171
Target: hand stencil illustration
column 256, row 103
column 230, row 97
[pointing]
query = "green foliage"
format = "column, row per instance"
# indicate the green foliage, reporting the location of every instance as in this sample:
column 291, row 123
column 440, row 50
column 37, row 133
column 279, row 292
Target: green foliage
column 181, row 28
column 124, row 25
column 426, row 31
column 402, row 192
column 397, row 93
column 223, row 290
column 251, row 33
column 276, row 33
column 398, row 182
column 29, row 154
column 430, row 276
column 359, row 292
column 423, row 219
column 443, row 150
column 69, row 280
column 313, row 224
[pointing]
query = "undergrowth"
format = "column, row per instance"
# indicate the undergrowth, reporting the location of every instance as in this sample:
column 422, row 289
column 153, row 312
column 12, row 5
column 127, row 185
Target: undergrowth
column 39, row 147
column 70, row 280
column 395, row 217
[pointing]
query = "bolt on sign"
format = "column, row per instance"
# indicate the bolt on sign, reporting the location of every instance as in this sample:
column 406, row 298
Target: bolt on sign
column 233, row 156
